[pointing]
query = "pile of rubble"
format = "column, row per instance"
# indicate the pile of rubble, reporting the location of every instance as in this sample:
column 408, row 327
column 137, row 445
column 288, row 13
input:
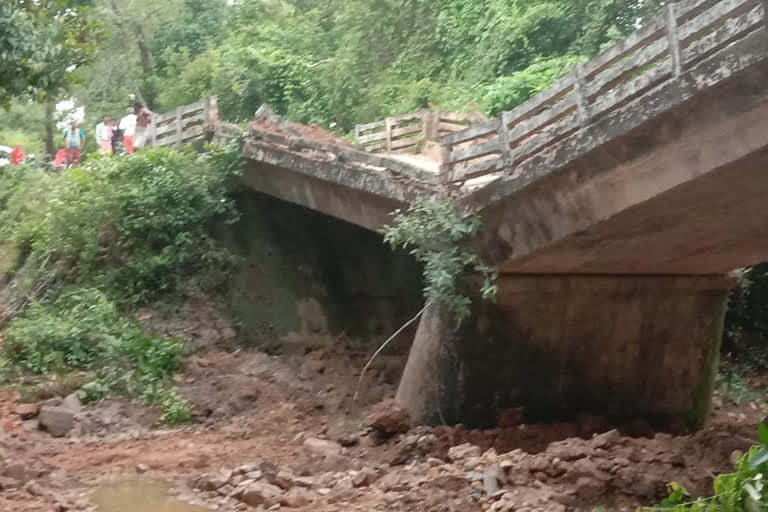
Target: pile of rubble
column 58, row 416
column 568, row 475
column 264, row 485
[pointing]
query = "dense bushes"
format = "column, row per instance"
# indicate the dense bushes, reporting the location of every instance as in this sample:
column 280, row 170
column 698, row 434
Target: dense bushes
column 136, row 225
column 102, row 238
column 342, row 62
column 746, row 324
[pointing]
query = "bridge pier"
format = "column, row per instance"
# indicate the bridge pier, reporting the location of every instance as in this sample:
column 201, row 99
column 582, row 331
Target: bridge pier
column 614, row 346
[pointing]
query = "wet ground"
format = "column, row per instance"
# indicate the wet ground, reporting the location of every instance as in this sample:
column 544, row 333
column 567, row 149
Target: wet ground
column 269, row 412
column 139, row 494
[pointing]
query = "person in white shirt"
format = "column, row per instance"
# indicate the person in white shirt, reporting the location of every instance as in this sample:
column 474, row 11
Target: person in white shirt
column 128, row 126
column 104, row 136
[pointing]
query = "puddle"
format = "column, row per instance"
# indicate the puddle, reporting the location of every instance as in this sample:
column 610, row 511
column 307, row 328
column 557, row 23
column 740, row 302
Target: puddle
column 139, row 495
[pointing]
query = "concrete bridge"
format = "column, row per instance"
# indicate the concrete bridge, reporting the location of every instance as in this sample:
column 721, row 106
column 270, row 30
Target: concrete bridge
column 615, row 203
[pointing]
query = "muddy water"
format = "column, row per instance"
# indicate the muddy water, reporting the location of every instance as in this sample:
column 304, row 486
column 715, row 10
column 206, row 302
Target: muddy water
column 139, row 495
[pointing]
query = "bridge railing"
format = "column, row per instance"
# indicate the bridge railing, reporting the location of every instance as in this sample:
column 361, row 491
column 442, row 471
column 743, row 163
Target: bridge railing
column 404, row 133
column 321, row 151
column 183, row 124
column 680, row 37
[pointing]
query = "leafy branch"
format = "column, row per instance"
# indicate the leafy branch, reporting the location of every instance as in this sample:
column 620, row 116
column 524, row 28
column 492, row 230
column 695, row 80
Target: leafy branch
column 434, row 230
column 744, row 490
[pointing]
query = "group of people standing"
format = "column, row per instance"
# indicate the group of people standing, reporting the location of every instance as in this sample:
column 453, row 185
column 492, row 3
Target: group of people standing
column 128, row 135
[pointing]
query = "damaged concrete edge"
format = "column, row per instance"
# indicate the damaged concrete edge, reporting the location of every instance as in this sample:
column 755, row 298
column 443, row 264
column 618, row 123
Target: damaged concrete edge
column 347, row 174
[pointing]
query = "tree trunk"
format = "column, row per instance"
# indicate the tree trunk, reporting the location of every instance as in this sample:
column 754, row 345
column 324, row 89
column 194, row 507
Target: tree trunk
column 427, row 386
column 146, row 57
column 141, row 39
column 50, row 127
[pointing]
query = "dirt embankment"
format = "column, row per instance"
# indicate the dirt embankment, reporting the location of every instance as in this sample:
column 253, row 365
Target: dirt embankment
column 284, row 432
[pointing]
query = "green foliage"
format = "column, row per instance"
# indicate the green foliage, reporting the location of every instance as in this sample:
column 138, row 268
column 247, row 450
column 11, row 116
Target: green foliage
column 23, row 123
column 342, row 62
column 41, row 46
column 136, row 225
column 734, row 387
column 506, row 92
column 745, row 339
column 434, row 229
column 744, row 490
column 103, row 238
column 82, row 329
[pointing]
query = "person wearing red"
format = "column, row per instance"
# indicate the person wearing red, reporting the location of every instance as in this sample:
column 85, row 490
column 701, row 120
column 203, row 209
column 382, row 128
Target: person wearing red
column 17, row 155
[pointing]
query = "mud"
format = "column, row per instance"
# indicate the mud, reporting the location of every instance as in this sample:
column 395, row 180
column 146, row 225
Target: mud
column 142, row 494
column 291, row 419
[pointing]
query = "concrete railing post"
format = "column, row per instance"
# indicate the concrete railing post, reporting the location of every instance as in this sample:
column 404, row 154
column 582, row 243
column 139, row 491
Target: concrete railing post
column 179, row 125
column 502, row 132
column 579, row 86
column 388, row 125
column 673, row 38
column 430, row 120
column 152, row 128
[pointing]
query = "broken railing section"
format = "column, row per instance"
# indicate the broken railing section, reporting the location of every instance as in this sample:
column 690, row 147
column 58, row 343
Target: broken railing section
column 184, row 124
column 405, row 133
column 331, row 153
column 679, row 38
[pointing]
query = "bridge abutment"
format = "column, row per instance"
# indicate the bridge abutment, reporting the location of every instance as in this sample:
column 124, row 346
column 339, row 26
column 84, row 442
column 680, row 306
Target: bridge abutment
column 615, row 346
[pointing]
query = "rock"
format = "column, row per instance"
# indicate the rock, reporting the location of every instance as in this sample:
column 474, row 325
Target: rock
column 226, row 490
column 304, row 481
column 247, row 468
column 540, row 463
column 297, row 498
column 26, row 411
column 389, row 418
column 8, row 483
column 260, row 493
column 283, row 480
column 472, row 463
column 336, row 463
column 464, row 451
column 556, row 469
column 364, row 477
column 72, row 402
column 344, row 484
column 491, row 479
column 214, row 481
column 343, row 496
column 269, row 471
column 83, row 426
column 568, row 450
column 322, row 447
column 474, row 476
column 605, row 439
column 141, row 468
column 254, row 475
column 56, row 420
column 427, row 443
column 17, row 471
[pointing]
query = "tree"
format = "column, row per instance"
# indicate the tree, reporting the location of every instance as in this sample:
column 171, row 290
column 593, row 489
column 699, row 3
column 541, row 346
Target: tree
column 43, row 45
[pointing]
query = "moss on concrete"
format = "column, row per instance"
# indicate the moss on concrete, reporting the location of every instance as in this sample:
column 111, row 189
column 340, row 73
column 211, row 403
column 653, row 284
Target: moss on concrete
column 307, row 274
column 701, row 399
